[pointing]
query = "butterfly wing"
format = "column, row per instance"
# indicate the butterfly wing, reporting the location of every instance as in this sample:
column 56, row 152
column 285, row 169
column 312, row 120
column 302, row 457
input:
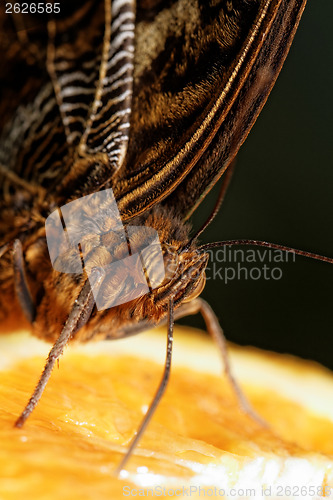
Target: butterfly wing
column 203, row 72
column 157, row 109
column 254, row 88
column 80, row 106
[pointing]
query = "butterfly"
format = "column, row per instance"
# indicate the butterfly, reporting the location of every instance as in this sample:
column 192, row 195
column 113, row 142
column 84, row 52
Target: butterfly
column 150, row 101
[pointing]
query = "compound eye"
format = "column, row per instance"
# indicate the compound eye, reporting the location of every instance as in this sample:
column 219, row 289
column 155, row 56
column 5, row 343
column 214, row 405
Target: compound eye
column 197, row 290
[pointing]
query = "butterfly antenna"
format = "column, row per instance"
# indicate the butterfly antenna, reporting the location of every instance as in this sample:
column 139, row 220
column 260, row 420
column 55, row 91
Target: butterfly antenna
column 223, row 189
column 158, row 395
column 265, row 244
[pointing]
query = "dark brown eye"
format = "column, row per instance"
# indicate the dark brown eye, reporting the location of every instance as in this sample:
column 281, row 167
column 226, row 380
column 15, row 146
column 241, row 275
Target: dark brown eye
column 197, row 290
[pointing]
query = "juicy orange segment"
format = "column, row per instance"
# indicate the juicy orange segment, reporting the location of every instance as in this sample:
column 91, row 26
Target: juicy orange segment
column 94, row 402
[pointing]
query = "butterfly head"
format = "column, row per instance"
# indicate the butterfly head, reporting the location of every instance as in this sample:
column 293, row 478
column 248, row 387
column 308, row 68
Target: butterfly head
column 184, row 275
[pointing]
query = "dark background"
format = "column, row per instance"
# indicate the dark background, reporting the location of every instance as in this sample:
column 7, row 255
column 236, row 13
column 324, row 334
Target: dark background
column 282, row 192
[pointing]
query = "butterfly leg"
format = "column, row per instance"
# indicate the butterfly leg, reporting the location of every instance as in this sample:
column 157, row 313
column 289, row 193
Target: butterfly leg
column 216, row 332
column 158, row 395
column 21, row 284
column 79, row 315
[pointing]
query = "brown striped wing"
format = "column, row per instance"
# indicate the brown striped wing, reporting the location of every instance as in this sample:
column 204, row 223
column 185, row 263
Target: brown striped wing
column 81, row 103
column 157, row 101
column 32, row 143
column 203, row 71
column 93, row 78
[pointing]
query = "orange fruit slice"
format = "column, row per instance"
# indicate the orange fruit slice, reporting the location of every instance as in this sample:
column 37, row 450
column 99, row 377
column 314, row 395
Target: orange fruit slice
column 199, row 442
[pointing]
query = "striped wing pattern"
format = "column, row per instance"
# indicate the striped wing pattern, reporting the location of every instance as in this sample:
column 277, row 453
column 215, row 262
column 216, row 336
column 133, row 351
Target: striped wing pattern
column 152, row 99
column 34, row 140
column 203, row 71
column 109, row 122
column 93, row 78
column 81, row 106
column 73, row 60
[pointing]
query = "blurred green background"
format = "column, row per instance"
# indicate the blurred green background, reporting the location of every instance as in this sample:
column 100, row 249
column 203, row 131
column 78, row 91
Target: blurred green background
column 282, row 192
